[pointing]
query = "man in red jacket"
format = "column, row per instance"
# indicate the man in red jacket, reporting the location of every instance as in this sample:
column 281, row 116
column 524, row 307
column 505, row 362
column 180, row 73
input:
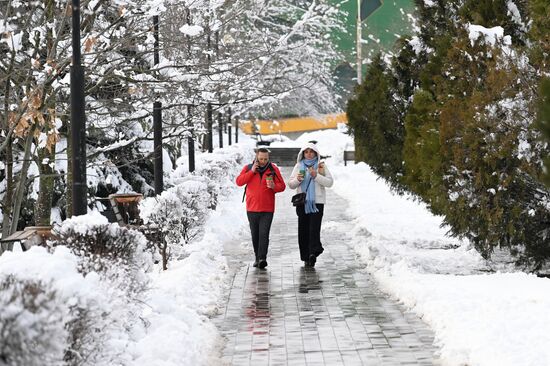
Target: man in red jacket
column 263, row 179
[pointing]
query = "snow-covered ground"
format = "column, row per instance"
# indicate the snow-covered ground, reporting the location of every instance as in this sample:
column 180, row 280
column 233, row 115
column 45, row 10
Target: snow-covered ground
column 479, row 316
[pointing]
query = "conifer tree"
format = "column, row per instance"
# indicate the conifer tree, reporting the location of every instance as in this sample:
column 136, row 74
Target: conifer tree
column 422, row 151
column 374, row 118
column 470, row 147
column 544, row 121
column 539, row 34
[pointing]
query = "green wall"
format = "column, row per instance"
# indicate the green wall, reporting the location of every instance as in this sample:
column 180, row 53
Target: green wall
column 384, row 24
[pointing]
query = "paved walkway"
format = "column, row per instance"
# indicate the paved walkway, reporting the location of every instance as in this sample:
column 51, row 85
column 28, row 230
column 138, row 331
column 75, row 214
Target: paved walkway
column 332, row 314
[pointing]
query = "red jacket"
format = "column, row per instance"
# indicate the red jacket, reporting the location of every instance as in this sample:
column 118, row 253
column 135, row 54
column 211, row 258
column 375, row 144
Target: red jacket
column 260, row 198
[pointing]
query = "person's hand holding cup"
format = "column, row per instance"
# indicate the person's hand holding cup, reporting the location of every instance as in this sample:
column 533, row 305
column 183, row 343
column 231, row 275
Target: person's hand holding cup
column 269, row 181
column 301, row 175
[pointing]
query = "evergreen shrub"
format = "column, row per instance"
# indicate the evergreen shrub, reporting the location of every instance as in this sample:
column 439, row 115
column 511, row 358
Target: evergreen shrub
column 453, row 117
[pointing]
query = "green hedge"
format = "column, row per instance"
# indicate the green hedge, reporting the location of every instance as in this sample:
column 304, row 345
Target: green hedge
column 464, row 125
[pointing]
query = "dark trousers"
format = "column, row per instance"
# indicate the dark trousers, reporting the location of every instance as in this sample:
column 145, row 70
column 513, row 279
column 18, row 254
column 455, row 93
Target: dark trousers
column 260, row 224
column 309, row 231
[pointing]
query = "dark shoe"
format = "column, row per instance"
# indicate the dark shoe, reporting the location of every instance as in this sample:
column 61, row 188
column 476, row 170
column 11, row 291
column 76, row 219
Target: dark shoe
column 320, row 251
column 306, row 263
column 312, row 260
column 262, row 264
column 255, row 264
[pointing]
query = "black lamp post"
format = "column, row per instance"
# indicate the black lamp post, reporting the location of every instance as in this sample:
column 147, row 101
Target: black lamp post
column 236, row 130
column 190, row 142
column 78, row 120
column 157, row 119
column 209, row 142
column 228, row 124
column 220, row 130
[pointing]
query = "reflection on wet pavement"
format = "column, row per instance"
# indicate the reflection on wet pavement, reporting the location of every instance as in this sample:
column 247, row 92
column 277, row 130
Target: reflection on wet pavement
column 332, row 314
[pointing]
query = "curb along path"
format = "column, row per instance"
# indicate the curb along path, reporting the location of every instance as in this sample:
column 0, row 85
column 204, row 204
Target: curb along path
column 332, row 314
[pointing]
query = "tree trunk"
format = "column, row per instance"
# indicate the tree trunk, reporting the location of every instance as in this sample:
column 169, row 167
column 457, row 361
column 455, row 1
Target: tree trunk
column 43, row 207
column 8, row 157
column 46, row 158
column 22, row 183
column 8, row 197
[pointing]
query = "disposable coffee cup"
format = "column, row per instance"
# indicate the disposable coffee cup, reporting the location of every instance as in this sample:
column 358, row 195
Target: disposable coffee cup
column 268, row 178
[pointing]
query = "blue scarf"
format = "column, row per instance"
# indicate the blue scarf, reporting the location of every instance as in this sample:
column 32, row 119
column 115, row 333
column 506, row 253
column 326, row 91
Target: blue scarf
column 310, row 194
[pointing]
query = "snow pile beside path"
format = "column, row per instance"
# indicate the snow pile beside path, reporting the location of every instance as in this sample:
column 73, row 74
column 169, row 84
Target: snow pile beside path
column 497, row 319
column 58, row 287
column 184, row 297
column 86, row 306
column 393, row 228
column 491, row 320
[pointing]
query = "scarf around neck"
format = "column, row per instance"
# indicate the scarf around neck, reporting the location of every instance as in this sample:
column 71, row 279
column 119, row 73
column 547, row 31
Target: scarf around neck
column 262, row 170
column 310, row 193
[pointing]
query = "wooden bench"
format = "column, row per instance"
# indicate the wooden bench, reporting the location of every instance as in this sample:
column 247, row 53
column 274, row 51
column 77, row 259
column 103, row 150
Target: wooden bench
column 349, row 155
column 28, row 237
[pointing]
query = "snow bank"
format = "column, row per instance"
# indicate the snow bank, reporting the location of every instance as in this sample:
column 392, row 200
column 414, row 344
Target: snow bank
column 184, row 297
column 168, row 323
column 498, row 319
column 83, row 302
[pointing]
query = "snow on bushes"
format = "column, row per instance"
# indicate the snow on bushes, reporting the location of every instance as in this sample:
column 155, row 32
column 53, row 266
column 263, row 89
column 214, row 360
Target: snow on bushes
column 90, row 292
column 64, row 316
column 220, row 167
column 121, row 254
column 180, row 212
column 121, row 258
column 32, row 331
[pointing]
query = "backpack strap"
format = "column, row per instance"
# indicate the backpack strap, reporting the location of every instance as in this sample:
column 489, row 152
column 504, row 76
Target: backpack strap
column 272, row 170
column 249, row 166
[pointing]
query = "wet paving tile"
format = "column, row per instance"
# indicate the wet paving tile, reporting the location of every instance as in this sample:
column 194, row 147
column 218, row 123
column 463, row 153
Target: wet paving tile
column 332, row 314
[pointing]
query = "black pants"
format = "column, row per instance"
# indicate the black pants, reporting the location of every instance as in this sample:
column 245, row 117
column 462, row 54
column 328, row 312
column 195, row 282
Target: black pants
column 309, row 231
column 260, row 224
